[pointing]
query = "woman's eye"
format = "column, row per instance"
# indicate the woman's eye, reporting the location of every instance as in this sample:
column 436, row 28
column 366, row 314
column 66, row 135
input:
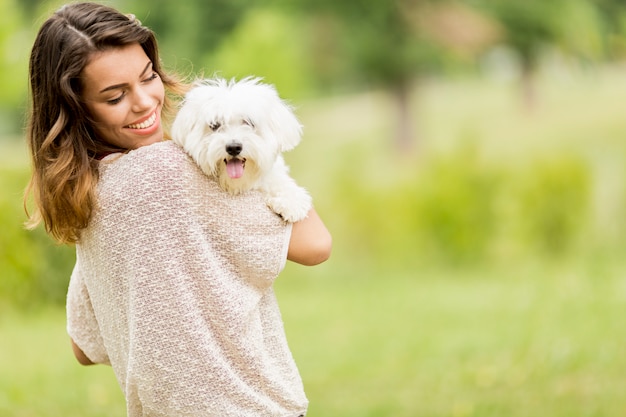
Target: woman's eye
column 115, row 100
column 154, row 76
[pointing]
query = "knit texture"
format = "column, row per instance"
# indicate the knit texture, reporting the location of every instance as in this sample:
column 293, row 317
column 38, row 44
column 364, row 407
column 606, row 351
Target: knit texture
column 173, row 288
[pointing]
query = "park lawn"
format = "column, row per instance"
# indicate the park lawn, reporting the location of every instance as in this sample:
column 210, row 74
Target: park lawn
column 533, row 340
column 39, row 376
column 529, row 341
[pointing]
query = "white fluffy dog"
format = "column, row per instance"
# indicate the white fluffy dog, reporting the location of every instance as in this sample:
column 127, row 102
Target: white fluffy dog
column 236, row 131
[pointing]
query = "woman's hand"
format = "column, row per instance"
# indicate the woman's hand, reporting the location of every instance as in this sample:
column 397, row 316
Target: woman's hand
column 311, row 242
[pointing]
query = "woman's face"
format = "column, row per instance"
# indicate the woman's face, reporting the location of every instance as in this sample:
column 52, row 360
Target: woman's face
column 124, row 95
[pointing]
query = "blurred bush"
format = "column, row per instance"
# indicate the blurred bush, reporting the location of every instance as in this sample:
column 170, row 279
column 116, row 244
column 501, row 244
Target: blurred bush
column 454, row 208
column 33, row 269
column 459, row 210
column 553, row 206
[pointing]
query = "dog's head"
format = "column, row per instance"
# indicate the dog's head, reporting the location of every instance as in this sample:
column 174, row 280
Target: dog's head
column 235, row 129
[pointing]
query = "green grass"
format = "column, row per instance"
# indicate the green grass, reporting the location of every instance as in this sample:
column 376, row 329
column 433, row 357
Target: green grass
column 530, row 341
column 533, row 341
column 40, row 377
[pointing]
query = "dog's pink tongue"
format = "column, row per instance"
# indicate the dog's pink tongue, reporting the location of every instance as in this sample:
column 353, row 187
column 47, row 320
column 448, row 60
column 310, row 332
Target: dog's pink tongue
column 234, row 168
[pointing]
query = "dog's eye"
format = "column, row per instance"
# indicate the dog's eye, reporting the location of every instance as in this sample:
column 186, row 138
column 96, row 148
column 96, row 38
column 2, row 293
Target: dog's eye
column 215, row 125
column 248, row 122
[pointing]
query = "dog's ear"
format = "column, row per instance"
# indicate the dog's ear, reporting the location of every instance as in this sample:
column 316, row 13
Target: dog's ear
column 189, row 125
column 285, row 126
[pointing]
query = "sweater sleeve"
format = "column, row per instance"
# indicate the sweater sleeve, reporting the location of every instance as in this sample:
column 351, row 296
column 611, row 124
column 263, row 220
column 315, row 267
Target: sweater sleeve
column 82, row 325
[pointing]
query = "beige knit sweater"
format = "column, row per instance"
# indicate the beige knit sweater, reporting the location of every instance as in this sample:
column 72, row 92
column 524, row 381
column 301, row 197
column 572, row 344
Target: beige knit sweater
column 173, row 288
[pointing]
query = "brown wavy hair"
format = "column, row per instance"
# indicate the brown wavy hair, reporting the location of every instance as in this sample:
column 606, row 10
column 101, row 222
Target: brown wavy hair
column 63, row 143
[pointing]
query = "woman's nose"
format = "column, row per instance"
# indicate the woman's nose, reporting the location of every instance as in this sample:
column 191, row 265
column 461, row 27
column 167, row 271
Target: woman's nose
column 142, row 100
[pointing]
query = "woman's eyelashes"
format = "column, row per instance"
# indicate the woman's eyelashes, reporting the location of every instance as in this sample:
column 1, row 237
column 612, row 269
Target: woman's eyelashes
column 119, row 98
column 152, row 77
column 116, row 100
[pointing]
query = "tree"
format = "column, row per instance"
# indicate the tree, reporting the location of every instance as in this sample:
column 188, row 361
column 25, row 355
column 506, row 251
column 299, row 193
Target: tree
column 189, row 30
column 392, row 44
column 380, row 48
column 529, row 26
column 266, row 43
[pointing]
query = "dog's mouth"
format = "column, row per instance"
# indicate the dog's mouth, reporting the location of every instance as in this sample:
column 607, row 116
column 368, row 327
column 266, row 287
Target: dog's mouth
column 235, row 167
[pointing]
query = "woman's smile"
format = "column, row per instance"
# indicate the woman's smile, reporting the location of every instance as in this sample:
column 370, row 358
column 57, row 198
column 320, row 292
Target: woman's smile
column 146, row 125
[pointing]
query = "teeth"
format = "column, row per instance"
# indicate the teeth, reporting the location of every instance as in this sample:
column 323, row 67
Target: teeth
column 145, row 124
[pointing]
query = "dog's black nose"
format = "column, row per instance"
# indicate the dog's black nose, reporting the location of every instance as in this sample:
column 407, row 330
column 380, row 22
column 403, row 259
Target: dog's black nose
column 234, row 149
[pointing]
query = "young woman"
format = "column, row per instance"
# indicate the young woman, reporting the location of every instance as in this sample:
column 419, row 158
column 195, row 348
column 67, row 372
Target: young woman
column 173, row 278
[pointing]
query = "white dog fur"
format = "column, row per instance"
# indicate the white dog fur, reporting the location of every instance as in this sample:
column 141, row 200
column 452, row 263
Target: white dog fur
column 236, row 132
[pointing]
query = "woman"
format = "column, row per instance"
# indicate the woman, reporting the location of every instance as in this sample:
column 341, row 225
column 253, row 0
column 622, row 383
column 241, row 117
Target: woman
column 173, row 279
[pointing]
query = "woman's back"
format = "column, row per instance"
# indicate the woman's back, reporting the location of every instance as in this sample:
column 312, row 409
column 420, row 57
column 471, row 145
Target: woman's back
column 179, row 275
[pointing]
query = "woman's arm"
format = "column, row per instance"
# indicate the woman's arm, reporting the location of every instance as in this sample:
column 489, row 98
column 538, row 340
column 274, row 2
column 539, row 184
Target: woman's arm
column 80, row 355
column 311, row 242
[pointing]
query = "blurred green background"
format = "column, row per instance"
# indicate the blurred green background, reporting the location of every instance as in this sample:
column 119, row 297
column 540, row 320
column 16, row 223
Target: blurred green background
column 468, row 157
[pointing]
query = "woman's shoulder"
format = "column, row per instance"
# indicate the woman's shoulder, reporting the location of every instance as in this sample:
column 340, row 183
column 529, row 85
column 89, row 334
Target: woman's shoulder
column 153, row 168
column 159, row 159
column 165, row 150
column 164, row 153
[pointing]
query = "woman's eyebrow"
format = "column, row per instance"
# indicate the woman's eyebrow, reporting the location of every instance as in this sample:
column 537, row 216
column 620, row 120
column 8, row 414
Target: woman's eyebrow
column 116, row 86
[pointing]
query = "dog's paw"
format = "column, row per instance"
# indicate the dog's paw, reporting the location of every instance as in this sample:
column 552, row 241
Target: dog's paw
column 293, row 206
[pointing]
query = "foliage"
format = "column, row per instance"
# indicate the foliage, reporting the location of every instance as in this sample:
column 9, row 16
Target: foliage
column 554, row 202
column 252, row 50
column 188, row 31
column 457, row 210
column 582, row 31
column 530, row 25
column 454, row 219
column 613, row 17
column 13, row 65
column 34, row 270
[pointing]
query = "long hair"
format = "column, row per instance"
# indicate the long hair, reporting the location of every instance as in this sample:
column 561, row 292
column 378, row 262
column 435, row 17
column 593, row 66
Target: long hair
column 63, row 143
